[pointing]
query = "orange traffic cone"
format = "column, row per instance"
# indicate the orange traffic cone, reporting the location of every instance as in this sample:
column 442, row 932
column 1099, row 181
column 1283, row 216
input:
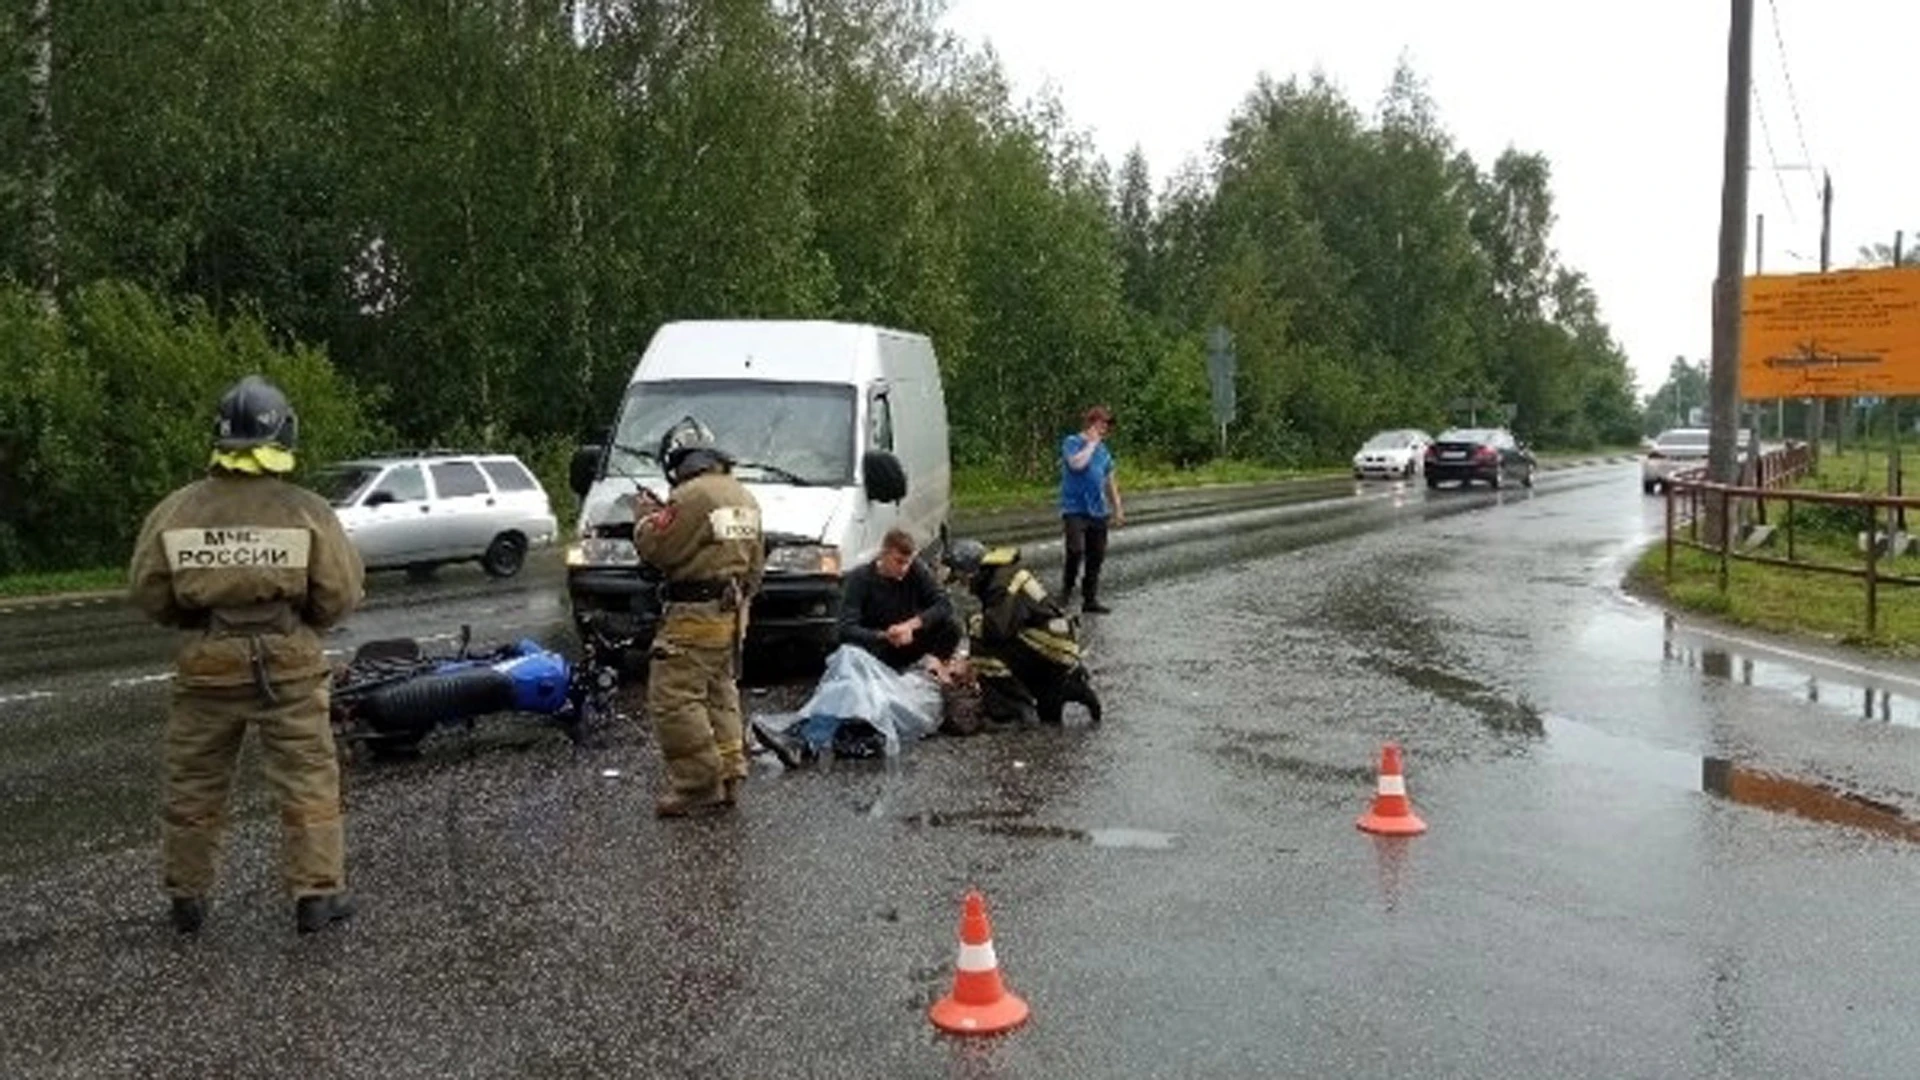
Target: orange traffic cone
column 1392, row 813
column 979, row 1004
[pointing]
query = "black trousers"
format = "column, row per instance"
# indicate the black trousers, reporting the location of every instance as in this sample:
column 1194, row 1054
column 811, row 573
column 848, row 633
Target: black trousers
column 1086, row 540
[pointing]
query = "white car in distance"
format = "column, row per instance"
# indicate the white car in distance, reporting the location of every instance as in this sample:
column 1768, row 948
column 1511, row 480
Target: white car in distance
column 1679, row 450
column 1391, row 455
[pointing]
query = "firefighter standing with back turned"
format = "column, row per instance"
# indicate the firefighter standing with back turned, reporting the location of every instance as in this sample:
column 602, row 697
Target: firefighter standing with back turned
column 252, row 567
column 706, row 541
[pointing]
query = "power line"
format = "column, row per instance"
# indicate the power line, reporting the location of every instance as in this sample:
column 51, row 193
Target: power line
column 1786, row 72
column 1766, row 137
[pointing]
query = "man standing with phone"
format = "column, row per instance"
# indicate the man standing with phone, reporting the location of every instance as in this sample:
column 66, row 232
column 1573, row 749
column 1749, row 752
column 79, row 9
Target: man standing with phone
column 706, row 539
column 1089, row 501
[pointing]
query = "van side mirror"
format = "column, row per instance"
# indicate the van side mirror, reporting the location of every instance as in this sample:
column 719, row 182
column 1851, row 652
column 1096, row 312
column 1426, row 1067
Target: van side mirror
column 886, row 478
column 586, row 462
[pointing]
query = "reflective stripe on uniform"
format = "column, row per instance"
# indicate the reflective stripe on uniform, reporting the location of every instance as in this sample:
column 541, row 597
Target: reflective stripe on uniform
column 1060, row 650
column 240, row 547
column 988, row 667
column 1024, row 582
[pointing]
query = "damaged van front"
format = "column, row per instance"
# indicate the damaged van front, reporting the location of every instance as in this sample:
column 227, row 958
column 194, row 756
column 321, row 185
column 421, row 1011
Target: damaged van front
column 808, row 413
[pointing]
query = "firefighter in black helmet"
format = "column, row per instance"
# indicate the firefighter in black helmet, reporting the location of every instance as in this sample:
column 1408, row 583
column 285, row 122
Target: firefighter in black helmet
column 706, row 540
column 1024, row 649
column 253, row 568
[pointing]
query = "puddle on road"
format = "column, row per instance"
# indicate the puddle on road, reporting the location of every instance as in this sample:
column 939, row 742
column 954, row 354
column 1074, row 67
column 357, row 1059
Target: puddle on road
column 1497, row 710
column 1801, row 798
column 1008, row 823
column 1857, row 698
column 1573, row 741
column 1131, row 838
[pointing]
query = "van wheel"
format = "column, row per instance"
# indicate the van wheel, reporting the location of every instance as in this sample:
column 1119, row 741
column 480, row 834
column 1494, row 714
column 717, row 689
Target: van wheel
column 421, row 571
column 505, row 555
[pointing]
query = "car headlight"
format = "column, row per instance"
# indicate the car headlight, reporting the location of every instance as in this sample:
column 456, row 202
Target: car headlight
column 804, row 559
column 602, row 551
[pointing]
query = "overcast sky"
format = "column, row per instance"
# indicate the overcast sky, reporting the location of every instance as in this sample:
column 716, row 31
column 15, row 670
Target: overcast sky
column 1626, row 98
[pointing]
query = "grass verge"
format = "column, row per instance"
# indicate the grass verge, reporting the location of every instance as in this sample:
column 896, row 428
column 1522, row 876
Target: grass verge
column 1824, row 606
column 984, row 489
column 63, row 581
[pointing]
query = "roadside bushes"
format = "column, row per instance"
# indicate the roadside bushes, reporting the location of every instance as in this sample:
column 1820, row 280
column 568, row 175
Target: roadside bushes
column 108, row 404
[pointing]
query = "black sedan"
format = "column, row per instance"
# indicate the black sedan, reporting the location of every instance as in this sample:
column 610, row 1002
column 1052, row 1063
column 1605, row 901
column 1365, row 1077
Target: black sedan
column 1491, row 455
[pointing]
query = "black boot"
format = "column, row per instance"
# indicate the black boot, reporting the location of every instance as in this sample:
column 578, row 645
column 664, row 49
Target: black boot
column 188, row 914
column 312, row 914
column 793, row 753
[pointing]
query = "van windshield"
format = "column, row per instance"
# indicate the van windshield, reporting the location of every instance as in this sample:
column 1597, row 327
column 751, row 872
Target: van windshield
column 802, row 429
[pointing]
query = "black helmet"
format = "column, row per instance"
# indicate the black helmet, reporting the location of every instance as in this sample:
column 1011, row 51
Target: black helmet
column 964, row 557
column 687, row 450
column 254, row 412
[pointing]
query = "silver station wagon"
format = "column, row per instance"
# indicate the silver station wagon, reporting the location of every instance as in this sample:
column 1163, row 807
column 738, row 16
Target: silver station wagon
column 422, row 509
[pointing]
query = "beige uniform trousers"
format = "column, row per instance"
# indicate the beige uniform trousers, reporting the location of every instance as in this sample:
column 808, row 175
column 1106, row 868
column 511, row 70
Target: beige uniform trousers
column 204, row 731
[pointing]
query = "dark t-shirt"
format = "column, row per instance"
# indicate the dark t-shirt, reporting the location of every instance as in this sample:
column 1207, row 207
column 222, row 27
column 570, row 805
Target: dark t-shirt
column 870, row 602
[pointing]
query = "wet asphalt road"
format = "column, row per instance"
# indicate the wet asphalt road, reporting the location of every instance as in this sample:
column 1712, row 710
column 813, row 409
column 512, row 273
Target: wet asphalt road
column 1179, row 893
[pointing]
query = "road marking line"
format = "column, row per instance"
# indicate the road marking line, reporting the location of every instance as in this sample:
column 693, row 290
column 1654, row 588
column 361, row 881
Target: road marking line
column 31, row 695
column 141, row 680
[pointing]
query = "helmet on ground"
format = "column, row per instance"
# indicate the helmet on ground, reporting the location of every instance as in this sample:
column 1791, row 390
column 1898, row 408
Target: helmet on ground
column 254, row 413
column 687, row 450
column 965, row 556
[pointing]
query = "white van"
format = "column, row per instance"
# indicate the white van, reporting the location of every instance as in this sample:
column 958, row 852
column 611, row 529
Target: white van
column 839, row 431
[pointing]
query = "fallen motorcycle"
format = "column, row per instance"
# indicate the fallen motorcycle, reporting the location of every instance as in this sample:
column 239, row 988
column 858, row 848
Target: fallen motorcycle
column 391, row 695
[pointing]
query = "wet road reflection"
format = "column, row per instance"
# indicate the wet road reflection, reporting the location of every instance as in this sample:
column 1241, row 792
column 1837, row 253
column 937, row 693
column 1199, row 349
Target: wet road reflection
column 1813, row 801
column 1834, row 691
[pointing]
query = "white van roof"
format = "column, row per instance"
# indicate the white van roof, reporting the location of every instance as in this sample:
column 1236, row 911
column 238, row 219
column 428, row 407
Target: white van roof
column 772, row 350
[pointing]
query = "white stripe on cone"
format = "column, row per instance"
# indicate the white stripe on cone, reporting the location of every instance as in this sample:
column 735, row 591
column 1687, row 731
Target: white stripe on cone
column 976, row 958
column 1393, row 785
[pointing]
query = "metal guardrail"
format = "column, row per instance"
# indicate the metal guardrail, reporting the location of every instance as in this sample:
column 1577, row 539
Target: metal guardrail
column 1690, row 495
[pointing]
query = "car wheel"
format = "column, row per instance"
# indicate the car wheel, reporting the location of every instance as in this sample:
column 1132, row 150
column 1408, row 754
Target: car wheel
column 1526, row 481
column 1409, row 470
column 1497, row 478
column 421, row 571
column 1432, row 482
column 505, row 555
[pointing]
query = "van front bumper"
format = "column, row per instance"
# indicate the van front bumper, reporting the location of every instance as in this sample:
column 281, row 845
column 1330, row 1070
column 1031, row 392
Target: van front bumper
column 802, row 608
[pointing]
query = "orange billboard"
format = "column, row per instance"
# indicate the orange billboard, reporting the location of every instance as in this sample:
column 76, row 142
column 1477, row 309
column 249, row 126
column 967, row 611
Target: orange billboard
column 1855, row 333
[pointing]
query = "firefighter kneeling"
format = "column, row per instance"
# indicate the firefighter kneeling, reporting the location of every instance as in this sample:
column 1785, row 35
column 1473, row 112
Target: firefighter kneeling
column 1024, row 649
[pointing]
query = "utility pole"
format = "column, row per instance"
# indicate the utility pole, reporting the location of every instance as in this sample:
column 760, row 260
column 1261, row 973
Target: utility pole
column 1893, row 428
column 1722, row 432
column 1817, row 412
column 1760, row 267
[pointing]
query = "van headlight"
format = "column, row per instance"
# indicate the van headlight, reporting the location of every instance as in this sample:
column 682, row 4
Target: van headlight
column 804, row 559
column 602, row 551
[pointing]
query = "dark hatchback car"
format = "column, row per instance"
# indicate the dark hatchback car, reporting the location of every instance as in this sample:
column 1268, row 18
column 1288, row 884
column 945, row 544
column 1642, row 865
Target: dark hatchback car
column 1490, row 455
